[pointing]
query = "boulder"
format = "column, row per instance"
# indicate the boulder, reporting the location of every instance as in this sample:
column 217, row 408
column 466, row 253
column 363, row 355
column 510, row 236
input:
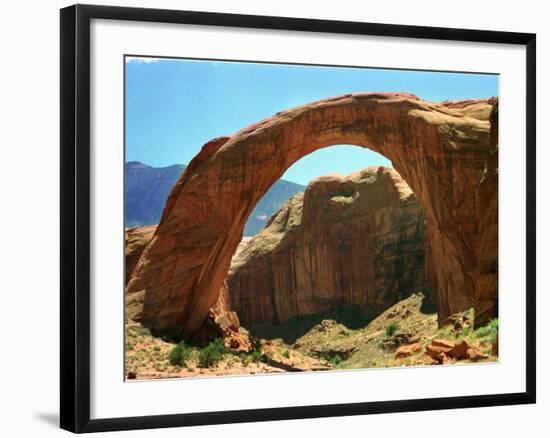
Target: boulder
column 443, row 343
column 407, row 350
column 441, row 350
column 463, row 350
column 434, row 351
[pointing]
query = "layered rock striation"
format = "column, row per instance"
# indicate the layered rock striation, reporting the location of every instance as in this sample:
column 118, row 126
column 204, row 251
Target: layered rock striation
column 135, row 241
column 357, row 240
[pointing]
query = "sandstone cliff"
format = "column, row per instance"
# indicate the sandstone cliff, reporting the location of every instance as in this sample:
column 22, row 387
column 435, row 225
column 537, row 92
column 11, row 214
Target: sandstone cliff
column 356, row 240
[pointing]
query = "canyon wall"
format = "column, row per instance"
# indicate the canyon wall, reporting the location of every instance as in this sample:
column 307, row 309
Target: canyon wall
column 441, row 150
column 357, row 240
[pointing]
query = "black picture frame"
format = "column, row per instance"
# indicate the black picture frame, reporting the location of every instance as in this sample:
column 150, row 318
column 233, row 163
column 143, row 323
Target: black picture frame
column 75, row 217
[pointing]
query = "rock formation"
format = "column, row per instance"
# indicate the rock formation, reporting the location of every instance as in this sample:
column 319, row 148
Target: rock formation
column 357, row 240
column 136, row 239
column 135, row 242
column 486, row 277
column 441, row 150
column 220, row 321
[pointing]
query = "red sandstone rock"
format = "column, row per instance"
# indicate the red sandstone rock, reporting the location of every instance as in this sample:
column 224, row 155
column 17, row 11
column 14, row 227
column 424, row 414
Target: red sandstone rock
column 463, row 350
column 221, row 321
column 136, row 241
column 442, row 151
column 475, row 354
column 459, row 350
column 435, row 352
column 486, row 251
column 443, row 343
column 407, row 350
column 357, row 240
column 442, row 358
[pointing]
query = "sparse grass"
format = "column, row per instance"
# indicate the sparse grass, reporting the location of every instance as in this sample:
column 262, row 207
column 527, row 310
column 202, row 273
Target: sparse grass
column 390, row 330
column 265, row 358
column 211, row 355
column 256, row 355
column 489, row 331
column 180, row 354
column 336, row 360
column 142, row 331
column 365, row 347
column 245, row 359
column 466, row 332
column 333, row 359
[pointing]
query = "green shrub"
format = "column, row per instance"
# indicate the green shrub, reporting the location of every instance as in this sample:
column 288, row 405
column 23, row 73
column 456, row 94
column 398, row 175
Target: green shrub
column 211, row 355
column 256, row 356
column 488, row 331
column 179, row 354
column 390, row 330
column 143, row 331
column 336, row 360
column 286, row 354
column 244, row 359
column 466, row 331
column 265, row 358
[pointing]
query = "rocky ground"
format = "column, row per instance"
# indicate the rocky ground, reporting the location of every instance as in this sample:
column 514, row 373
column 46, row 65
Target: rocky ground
column 401, row 336
column 148, row 357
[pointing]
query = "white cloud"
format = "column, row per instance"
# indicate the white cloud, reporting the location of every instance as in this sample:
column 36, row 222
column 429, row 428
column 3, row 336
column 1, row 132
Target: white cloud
column 141, row 60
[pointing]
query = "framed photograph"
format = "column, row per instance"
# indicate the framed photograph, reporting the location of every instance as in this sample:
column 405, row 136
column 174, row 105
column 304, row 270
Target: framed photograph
column 268, row 218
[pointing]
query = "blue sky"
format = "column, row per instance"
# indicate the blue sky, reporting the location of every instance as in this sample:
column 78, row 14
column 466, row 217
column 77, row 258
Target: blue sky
column 175, row 106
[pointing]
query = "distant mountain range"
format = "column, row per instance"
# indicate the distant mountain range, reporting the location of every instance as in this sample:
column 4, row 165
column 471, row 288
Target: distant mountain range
column 146, row 189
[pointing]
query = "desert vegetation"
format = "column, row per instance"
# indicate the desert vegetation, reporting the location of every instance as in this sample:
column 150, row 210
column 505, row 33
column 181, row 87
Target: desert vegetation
column 402, row 335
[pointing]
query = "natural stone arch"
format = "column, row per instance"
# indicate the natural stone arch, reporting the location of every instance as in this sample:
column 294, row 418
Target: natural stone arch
column 441, row 150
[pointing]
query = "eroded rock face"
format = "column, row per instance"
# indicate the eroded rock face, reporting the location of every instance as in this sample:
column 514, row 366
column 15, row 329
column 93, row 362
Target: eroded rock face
column 136, row 239
column 357, row 240
column 486, row 277
column 441, row 150
column 220, row 321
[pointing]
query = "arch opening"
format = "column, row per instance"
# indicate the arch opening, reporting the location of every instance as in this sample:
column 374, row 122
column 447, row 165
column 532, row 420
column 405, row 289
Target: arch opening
column 347, row 248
